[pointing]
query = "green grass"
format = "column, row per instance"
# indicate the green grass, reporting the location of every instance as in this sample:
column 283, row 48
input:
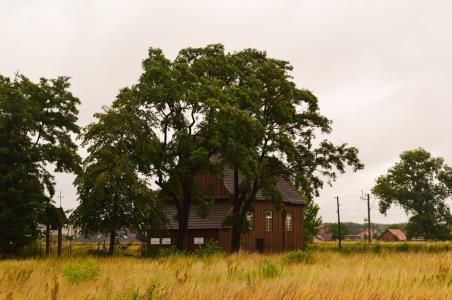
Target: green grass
column 77, row 273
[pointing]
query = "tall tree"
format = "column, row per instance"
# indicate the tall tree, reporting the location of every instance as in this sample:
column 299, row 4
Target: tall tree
column 37, row 122
column 421, row 185
column 174, row 99
column 285, row 121
column 112, row 195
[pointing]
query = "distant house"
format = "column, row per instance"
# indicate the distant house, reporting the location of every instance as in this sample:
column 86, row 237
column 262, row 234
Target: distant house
column 392, row 235
column 352, row 237
column 365, row 234
column 323, row 229
column 324, row 234
column 323, row 237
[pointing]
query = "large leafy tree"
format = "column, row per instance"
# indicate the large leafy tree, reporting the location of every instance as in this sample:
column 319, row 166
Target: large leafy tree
column 421, row 185
column 37, row 122
column 112, row 195
column 242, row 106
column 278, row 138
column 173, row 100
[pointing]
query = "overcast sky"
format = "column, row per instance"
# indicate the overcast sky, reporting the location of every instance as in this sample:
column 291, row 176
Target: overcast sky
column 382, row 70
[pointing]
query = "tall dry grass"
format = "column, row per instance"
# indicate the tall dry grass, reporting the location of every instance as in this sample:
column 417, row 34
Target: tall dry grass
column 325, row 275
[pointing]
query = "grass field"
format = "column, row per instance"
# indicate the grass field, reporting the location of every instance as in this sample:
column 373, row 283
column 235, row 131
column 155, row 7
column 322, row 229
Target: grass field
column 317, row 275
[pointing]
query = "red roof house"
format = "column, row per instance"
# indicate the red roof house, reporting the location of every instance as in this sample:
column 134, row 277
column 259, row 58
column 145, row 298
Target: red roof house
column 392, row 235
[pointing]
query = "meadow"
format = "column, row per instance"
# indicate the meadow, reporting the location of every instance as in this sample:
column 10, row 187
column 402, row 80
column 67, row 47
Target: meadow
column 297, row 275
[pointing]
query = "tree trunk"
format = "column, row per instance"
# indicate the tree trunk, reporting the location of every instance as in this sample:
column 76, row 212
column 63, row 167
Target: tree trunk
column 148, row 242
column 182, row 233
column 236, row 235
column 236, row 215
column 60, row 240
column 47, row 240
column 111, row 247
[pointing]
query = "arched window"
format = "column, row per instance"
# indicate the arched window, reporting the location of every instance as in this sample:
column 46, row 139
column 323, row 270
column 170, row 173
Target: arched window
column 250, row 219
column 268, row 220
column 289, row 221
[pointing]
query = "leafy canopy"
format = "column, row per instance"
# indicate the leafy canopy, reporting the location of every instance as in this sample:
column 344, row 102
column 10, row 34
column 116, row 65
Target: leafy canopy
column 37, row 123
column 111, row 193
column 421, row 185
column 271, row 129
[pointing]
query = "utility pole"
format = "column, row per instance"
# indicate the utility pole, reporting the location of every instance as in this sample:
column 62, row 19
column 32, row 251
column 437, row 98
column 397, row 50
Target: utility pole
column 339, row 222
column 369, row 233
column 60, row 197
column 368, row 219
column 60, row 231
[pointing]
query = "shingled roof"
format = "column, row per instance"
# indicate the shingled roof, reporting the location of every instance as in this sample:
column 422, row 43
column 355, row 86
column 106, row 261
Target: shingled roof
column 287, row 190
column 398, row 234
column 214, row 218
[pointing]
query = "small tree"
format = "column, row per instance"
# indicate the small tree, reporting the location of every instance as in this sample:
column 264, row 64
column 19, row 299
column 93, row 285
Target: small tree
column 111, row 193
column 334, row 229
column 420, row 184
column 312, row 220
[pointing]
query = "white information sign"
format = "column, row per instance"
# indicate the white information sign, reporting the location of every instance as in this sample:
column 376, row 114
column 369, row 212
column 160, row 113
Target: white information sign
column 199, row 240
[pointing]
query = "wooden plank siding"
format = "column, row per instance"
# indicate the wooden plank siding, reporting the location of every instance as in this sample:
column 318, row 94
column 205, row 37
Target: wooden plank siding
column 278, row 239
column 207, row 234
column 212, row 186
column 220, row 190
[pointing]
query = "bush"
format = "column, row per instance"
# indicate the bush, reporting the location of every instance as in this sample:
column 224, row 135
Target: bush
column 269, row 270
column 77, row 273
column 376, row 248
column 299, row 256
column 211, row 248
column 98, row 252
column 169, row 252
column 403, row 247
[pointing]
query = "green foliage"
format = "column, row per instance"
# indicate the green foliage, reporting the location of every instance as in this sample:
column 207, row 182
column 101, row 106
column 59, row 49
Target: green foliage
column 78, row 273
column 269, row 128
column 312, row 220
column 401, row 226
column 334, row 228
column 153, row 291
column 174, row 106
column 376, row 248
column 37, row 122
column 404, row 247
column 268, row 269
column 420, row 184
column 111, row 193
column 211, row 248
column 299, row 256
column 358, row 227
column 181, row 114
column 169, row 252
